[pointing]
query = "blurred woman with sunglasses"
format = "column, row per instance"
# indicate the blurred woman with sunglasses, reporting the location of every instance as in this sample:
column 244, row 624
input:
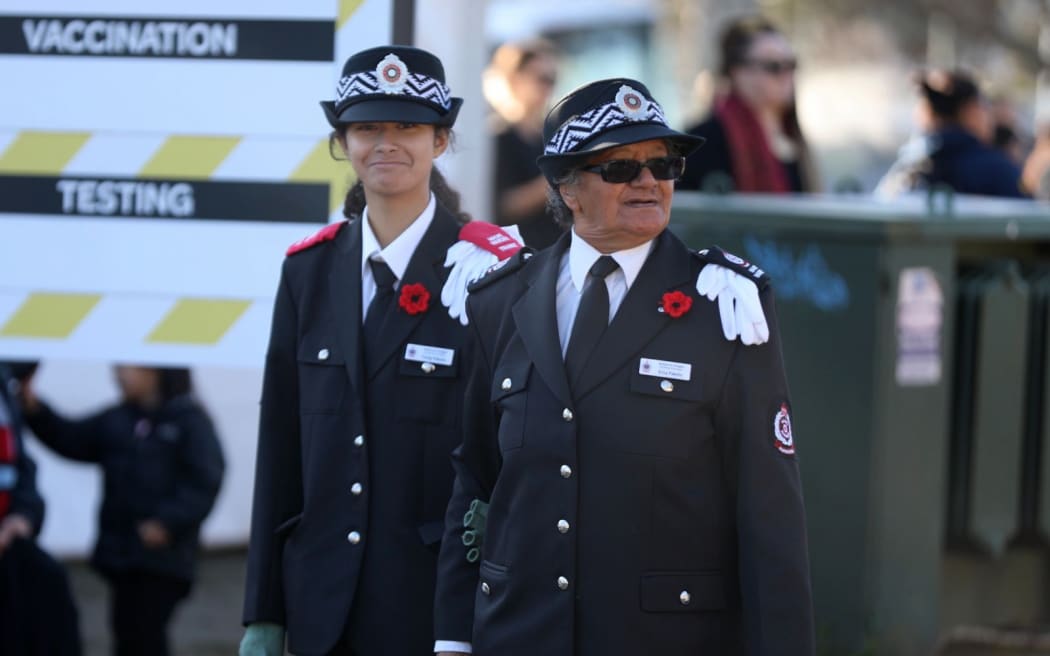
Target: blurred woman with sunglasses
column 754, row 142
column 518, row 84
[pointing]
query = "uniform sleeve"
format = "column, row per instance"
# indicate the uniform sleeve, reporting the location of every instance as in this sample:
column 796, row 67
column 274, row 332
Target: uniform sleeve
column 278, row 483
column 477, row 462
column 80, row 440
column 761, row 466
column 201, row 466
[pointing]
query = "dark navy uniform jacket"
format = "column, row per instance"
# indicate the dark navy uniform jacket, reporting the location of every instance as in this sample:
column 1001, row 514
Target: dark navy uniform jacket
column 165, row 464
column 353, row 469
column 634, row 514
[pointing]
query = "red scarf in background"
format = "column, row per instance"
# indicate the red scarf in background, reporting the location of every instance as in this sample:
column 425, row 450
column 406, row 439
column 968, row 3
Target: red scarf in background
column 755, row 168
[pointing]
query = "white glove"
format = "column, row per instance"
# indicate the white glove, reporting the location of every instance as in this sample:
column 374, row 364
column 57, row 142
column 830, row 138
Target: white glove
column 469, row 262
column 738, row 304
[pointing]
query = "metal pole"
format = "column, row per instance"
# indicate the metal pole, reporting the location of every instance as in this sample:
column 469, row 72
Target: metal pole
column 404, row 22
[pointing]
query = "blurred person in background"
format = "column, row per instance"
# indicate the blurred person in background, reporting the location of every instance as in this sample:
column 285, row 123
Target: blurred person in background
column 37, row 614
column 754, row 141
column 518, row 84
column 162, row 467
column 1036, row 173
column 954, row 147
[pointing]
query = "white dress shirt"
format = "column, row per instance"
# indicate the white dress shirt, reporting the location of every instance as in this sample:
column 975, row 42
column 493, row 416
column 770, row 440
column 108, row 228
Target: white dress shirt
column 396, row 255
column 572, row 276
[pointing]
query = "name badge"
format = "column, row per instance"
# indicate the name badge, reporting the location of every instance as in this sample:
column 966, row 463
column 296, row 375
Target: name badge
column 434, row 354
column 665, row 369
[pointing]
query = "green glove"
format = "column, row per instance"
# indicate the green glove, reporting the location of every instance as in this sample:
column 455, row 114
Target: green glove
column 262, row 639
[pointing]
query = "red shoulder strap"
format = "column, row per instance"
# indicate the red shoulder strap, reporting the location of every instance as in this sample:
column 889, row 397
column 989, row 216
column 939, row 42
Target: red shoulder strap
column 490, row 237
column 326, row 233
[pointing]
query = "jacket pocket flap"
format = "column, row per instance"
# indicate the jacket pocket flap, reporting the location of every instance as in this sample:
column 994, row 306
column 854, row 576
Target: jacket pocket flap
column 510, row 379
column 286, row 526
column 431, row 532
column 683, row 592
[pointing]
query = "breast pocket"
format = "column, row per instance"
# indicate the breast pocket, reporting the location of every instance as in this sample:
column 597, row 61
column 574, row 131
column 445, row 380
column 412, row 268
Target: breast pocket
column 683, row 592
column 429, row 376
column 322, row 378
column 671, row 414
column 509, row 385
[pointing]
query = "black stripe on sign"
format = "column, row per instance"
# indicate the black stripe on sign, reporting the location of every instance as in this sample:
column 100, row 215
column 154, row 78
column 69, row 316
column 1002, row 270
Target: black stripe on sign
column 176, row 38
column 293, row 202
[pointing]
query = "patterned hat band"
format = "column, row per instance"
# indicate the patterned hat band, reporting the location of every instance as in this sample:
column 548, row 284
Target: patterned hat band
column 630, row 106
column 392, row 77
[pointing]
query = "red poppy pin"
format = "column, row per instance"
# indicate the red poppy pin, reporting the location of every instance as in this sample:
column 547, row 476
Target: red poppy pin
column 415, row 299
column 676, row 303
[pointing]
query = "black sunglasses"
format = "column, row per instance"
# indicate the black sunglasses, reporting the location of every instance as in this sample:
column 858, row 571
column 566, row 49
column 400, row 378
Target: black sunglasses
column 619, row 171
column 774, row 66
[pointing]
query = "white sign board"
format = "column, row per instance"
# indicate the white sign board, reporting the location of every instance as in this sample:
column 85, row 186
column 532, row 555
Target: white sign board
column 155, row 162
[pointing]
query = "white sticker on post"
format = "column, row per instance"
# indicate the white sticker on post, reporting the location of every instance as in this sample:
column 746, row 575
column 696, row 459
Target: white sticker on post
column 665, row 369
column 434, row 354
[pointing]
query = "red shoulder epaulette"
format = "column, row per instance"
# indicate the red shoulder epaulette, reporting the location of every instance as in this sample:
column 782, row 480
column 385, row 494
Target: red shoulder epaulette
column 326, row 233
column 490, row 237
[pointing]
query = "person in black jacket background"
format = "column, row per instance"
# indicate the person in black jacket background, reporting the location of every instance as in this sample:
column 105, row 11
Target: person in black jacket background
column 162, row 467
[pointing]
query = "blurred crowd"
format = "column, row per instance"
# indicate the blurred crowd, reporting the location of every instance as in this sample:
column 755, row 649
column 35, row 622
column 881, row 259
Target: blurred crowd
column 963, row 140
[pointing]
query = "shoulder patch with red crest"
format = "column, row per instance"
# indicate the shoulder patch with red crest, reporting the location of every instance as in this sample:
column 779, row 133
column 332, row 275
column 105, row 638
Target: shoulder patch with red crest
column 326, row 233
column 722, row 257
column 783, row 436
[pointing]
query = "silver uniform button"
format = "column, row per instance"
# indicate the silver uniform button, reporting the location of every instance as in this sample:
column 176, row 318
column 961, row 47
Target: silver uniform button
column 322, row 354
column 356, row 489
column 563, row 583
column 506, row 384
column 563, row 526
column 427, row 367
column 353, row 537
column 566, row 414
column 566, row 471
column 485, row 589
column 684, row 597
column 666, row 385
column 359, row 440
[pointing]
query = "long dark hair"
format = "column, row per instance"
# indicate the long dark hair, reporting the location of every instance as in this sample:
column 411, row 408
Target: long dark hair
column 736, row 40
column 446, row 196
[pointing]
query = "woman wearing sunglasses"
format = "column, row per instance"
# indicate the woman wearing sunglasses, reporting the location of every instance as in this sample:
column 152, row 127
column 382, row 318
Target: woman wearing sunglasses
column 754, row 142
column 627, row 482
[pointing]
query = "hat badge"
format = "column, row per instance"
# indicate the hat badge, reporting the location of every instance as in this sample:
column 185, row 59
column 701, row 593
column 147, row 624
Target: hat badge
column 631, row 102
column 392, row 74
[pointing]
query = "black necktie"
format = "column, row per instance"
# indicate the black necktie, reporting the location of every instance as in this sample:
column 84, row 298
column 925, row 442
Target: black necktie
column 382, row 304
column 592, row 317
